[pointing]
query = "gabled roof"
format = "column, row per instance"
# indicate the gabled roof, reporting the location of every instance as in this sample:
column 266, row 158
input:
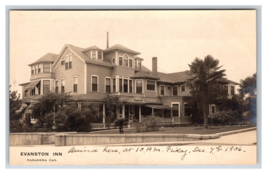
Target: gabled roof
column 48, row 58
column 143, row 75
column 81, row 54
column 228, row 81
column 92, row 48
column 122, row 48
column 177, row 77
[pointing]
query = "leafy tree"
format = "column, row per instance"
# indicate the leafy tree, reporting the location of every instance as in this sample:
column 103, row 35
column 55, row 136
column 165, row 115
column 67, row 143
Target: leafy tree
column 47, row 104
column 14, row 104
column 111, row 102
column 204, row 82
column 248, row 91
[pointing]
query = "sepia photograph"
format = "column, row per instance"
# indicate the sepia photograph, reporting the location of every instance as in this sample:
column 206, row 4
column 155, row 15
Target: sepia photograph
column 133, row 87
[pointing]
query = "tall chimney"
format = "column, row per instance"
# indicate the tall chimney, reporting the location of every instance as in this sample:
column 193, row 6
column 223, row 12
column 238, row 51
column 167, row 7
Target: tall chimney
column 107, row 40
column 155, row 66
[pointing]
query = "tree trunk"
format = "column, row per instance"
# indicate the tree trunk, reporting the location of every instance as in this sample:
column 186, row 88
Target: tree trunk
column 205, row 109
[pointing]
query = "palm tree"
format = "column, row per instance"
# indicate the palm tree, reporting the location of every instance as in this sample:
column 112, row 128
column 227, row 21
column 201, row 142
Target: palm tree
column 203, row 74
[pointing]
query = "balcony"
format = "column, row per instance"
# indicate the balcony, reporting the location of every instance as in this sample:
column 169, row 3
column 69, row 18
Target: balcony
column 42, row 75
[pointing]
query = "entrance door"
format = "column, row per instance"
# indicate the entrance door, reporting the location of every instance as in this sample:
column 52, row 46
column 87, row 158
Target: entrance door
column 175, row 109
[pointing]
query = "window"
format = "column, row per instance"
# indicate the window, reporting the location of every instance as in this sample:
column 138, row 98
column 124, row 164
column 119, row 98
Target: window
column 63, row 86
column 32, row 69
column 107, row 84
column 125, row 84
column 36, row 69
column 99, row 55
column 46, row 67
column 67, row 62
column 150, row 85
column 225, row 88
column 182, row 88
column 94, row 83
column 46, row 86
column 130, row 86
column 113, row 61
column 130, row 63
column 161, row 90
column 174, row 91
column 56, row 87
column 187, row 110
column 63, row 61
column 232, row 90
column 114, row 85
column 139, row 85
column 120, row 85
column 175, row 110
column 39, row 68
column 70, row 62
column 75, row 84
column 125, row 57
column 120, row 61
column 93, row 54
column 212, row 111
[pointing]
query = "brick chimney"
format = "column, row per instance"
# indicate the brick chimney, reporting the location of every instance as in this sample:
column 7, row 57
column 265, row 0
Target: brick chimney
column 155, row 66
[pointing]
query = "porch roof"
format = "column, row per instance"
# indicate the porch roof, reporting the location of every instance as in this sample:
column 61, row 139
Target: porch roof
column 32, row 84
column 158, row 106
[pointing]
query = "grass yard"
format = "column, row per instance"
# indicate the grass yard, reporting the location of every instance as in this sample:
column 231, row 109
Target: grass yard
column 178, row 130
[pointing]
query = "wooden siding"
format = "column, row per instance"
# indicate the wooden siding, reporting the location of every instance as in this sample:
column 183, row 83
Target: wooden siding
column 101, row 72
column 123, row 71
column 109, row 56
column 41, row 75
column 76, row 70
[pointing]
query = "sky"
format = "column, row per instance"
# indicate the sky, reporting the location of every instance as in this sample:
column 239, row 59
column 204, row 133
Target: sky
column 176, row 38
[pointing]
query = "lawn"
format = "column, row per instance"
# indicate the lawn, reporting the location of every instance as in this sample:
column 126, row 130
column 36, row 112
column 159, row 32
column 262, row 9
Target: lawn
column 178, row 130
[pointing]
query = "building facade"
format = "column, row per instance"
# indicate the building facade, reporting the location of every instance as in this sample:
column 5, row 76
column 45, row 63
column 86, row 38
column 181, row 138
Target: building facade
column 91, row 74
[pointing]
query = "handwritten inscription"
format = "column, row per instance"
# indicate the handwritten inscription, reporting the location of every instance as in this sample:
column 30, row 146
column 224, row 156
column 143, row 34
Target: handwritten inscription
column 182, row 151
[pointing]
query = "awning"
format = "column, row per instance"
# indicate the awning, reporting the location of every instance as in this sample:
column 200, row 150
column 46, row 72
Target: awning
column 32, row 85
column 158, row 106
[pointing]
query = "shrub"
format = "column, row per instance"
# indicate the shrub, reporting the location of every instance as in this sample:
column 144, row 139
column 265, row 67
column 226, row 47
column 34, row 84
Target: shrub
column 117, row 122
column 15, row 126
column 223, row 117
column 151, row 123
column 42, row 130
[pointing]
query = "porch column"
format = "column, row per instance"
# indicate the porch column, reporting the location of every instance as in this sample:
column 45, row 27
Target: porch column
column 104, row 114
column 80, row 105
column 123, row 111
column 139, row 113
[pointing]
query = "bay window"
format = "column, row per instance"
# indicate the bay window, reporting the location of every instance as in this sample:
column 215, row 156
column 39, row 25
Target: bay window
column 46, row 87
column 107, row 84
column 139, row 85
column 150, row 85
column 125, row 84
column 46, row 67
column 130, row 86
column 120, row 85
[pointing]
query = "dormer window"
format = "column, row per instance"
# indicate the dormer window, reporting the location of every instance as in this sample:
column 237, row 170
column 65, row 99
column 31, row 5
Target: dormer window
column 99, row 55
column 125, row 58
column 93, row 54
